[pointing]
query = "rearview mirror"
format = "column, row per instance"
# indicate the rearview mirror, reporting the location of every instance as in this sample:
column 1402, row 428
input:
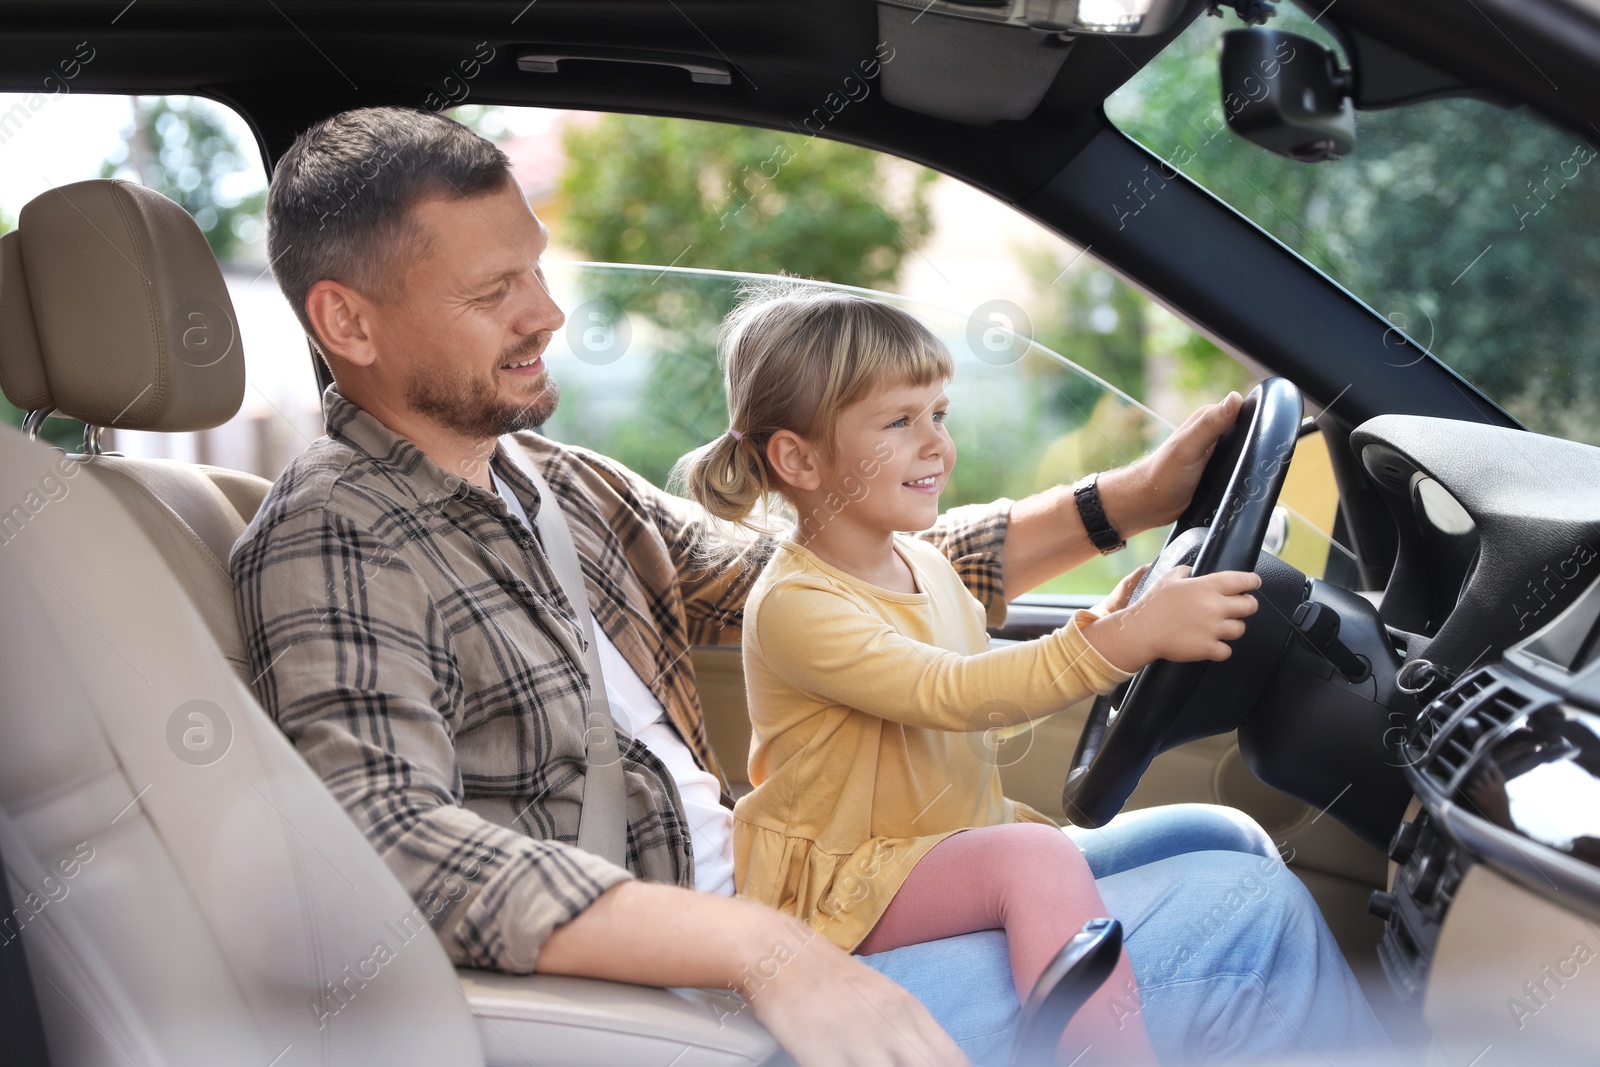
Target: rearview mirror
column 1288, row 94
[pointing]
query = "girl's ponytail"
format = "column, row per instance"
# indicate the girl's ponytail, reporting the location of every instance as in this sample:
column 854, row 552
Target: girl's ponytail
column 727, row 477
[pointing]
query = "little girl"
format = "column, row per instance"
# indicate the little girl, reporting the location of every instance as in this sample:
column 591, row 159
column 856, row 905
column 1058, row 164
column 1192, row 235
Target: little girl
column 874, row 816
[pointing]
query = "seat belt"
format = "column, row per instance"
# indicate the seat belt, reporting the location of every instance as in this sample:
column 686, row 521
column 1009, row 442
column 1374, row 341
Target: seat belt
column 603, row 820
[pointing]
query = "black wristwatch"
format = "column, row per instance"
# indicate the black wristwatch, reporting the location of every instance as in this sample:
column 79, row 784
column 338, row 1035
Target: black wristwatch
column 1087, row 496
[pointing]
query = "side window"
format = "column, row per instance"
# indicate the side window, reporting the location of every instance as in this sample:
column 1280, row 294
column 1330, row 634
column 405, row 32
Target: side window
column 200, row 154
column 1062, row 368
column 1310, row 508
column 656, row 224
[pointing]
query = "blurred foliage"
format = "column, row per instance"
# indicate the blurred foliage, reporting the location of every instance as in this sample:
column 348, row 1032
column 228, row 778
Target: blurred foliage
column 681, row 403
column 641, row 189
column 182, row 148
column 1113, row 434
column 1094, row 319
column 1114, row 331
column 1403, row 221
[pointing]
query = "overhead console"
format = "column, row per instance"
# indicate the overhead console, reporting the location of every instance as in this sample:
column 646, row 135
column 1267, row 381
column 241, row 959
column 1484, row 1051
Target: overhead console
column 1125, row 18
column 979, row 62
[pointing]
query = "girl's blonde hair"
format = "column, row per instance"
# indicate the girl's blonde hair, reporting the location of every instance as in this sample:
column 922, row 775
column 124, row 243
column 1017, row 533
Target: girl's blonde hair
column 793, row 357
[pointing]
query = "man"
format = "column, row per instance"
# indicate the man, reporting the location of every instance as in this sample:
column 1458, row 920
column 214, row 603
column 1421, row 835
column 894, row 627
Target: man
column 411, row 638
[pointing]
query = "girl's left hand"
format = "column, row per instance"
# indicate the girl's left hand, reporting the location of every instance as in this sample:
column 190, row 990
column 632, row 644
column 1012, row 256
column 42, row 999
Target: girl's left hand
column 1117, row 599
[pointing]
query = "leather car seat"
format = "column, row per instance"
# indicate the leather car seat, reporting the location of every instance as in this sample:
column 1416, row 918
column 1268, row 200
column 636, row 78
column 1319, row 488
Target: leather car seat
column 113, row 312
column 186, row 890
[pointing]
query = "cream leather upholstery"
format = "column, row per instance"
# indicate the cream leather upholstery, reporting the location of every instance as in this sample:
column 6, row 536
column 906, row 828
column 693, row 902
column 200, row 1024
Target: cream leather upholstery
column 215, row 886
column 579, row 1022
column 213, row 910
column 21, row 363
column 188, row 514
column 99, row 290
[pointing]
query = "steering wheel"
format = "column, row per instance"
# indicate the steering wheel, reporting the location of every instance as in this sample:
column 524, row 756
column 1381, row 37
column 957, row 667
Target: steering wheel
column 1166, row 703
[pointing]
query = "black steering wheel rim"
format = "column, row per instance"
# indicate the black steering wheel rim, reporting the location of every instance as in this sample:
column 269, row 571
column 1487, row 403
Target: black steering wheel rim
column 1232, row 504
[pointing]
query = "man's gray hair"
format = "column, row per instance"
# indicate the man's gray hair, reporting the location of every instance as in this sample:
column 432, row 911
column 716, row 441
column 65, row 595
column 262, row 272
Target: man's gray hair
column 338, row 206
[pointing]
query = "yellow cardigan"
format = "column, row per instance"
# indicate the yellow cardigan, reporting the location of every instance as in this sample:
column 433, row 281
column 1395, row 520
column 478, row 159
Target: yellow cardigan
column 867, row 707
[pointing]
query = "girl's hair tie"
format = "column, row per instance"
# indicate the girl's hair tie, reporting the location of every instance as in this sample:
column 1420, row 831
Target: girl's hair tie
column 735, row 434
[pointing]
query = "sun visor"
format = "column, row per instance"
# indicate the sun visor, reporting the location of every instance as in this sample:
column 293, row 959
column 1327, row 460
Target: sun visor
column 963, row 69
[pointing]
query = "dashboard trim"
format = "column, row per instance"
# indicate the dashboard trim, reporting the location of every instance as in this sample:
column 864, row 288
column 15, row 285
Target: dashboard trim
column 1571, row 883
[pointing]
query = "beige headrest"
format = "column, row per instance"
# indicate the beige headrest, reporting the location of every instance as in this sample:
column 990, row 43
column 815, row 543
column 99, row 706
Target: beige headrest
column 22, row 376
column 133, row 318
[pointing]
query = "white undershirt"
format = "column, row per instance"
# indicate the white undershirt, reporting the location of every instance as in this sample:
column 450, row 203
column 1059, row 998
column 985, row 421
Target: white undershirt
column 641, row 714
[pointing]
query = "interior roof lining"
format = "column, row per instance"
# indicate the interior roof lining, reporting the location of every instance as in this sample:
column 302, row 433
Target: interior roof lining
column 789, row 67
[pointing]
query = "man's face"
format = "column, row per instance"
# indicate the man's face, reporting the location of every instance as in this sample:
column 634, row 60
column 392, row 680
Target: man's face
column 464, row 338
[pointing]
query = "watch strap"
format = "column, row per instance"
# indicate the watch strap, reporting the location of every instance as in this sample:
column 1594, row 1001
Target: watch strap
column 1090, row 508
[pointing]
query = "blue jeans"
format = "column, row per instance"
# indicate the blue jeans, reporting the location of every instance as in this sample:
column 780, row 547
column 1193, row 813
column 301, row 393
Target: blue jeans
column 1233, row 959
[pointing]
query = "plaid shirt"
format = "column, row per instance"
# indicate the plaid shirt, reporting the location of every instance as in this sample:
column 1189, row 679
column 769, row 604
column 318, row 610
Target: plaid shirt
column 406, row 633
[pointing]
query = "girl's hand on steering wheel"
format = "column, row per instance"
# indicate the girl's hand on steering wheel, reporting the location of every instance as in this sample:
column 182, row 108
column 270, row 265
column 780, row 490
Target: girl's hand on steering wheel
column 1179, row 618
column 1118, row 598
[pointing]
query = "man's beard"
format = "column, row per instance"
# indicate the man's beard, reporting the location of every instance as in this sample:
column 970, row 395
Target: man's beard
column 471, row 405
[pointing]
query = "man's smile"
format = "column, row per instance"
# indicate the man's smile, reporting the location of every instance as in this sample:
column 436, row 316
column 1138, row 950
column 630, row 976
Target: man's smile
column 532, row 366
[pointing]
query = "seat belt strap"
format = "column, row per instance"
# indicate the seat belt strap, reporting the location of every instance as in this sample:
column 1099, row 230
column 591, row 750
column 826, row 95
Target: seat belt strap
column 603, row 820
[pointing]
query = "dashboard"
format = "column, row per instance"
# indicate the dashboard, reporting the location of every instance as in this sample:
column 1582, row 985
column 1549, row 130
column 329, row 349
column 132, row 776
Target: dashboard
column 1506, row 764
column 1496, row 592
column 1499, row 531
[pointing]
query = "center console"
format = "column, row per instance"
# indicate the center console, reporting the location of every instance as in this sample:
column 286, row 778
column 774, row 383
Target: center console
column 1506, row 765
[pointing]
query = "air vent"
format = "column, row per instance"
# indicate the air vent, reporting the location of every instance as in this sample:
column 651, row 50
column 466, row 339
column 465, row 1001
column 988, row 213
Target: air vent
column 1473, row 713
column 1437, row 715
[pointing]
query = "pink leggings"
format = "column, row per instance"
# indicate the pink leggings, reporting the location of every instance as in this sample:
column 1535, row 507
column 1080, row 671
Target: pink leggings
column 1032, row 881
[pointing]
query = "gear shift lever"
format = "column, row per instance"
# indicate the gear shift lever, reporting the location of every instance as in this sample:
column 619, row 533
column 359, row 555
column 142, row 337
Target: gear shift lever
column 1080, row 968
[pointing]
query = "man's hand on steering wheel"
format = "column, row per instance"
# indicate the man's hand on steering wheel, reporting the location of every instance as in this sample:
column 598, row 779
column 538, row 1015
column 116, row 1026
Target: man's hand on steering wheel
column 1216, row 479
column 1178, row 618
column 1162, row 483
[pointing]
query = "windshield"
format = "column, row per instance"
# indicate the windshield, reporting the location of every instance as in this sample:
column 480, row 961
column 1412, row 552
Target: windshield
column 1473, row 229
